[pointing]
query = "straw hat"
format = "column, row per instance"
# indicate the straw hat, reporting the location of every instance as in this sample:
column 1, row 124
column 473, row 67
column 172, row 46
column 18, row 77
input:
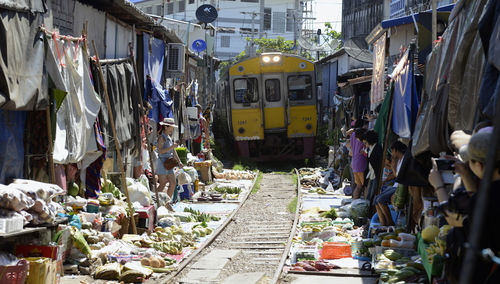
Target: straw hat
column 168, row 122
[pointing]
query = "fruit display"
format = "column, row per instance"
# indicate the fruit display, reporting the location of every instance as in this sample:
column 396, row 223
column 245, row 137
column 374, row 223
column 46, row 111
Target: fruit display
column 228, row 189
column 200, row 216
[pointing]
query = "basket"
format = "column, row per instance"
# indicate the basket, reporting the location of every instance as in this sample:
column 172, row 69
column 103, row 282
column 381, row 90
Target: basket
column 335, row 250
column 14, row 274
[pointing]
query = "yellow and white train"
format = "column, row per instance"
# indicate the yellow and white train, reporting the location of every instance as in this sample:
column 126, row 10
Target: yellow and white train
column 269, row 102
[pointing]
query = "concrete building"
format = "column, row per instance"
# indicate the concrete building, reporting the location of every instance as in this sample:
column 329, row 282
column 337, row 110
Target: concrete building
column 359, row 17
column 238, row 19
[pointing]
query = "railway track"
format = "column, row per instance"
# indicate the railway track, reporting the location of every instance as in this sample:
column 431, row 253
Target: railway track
column 258, row 238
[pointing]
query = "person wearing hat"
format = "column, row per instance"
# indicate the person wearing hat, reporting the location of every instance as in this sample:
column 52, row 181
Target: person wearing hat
column 166, row 150
column 475, row 154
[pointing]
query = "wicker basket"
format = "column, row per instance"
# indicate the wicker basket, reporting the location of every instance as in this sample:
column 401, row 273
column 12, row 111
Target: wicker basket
column 14, row 274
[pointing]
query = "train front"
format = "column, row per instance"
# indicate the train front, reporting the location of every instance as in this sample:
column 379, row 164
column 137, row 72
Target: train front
column 273, row 107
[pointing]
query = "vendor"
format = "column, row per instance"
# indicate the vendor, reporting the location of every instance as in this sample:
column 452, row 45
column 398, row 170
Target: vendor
column 203, row 128
column 166, row 150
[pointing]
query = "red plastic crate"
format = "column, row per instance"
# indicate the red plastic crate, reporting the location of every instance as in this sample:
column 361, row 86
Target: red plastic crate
column 14, row 274
column 335, row 250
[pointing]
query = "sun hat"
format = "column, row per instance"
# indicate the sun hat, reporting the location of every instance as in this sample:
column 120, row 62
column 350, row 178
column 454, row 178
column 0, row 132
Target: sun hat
column 168, row 122
column 478, row 148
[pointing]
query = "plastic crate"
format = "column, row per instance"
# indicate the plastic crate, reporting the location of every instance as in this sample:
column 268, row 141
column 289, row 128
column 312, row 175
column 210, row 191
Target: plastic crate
column 335, row 250
column 14, row 274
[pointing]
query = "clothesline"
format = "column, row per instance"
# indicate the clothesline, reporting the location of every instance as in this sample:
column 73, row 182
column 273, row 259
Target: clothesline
column 58, row 36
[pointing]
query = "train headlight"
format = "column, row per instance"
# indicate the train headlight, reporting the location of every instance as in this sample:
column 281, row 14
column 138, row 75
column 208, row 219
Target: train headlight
column 276, row 59
column 241, row 130
column 308, row 126
column 266, row 59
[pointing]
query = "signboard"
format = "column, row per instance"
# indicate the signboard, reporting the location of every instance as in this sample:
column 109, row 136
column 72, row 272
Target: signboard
column 377, row 91
column 397, row 8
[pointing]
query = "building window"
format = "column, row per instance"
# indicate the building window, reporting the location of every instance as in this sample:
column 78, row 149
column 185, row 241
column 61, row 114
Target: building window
column 225, row 41
column 251, row 1
column 267, row 19
column 226, row 30
column 170, row 8
column 279, row 22
column 182, row 6
column 290, row 19
column 158, row 10
column 149, row 10
column 248, row 31
column 191, row 2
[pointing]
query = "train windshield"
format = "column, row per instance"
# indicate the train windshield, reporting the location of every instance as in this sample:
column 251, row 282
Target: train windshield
column 246, row 90
column 300, row 87
column 273, row 90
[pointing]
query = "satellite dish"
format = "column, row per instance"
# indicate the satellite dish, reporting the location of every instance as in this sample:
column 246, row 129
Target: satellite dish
column 199, row 45
column 206, row 13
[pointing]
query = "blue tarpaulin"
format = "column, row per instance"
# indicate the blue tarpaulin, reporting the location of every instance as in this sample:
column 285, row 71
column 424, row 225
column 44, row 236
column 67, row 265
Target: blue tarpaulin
column 154, row 53
column 11, row 144
column 405, row 102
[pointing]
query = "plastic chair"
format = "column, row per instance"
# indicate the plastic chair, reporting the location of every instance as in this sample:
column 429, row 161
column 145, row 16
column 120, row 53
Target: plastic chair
column 375, row 221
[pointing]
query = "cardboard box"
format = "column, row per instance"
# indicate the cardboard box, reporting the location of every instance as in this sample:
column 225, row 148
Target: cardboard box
column 53, row 252
column 205, row 170
column 146, row 218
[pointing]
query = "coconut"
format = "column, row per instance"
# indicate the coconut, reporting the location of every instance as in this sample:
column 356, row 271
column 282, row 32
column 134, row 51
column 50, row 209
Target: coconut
column 145, row 261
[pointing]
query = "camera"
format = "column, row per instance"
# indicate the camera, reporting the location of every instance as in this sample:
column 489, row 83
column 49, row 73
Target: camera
column 445, row 165
column 446, row 168
column 458, row 202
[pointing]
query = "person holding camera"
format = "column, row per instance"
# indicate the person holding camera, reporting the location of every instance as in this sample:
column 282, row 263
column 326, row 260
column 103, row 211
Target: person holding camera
column 459, row 207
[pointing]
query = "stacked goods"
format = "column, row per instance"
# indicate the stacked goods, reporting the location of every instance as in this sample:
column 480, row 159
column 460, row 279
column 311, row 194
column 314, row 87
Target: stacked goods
column 234, row 175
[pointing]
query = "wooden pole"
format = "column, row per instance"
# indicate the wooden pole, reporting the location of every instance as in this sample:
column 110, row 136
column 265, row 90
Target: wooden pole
column 117, row 144
column 150, row 148
column 50, row 149
column 434, row 21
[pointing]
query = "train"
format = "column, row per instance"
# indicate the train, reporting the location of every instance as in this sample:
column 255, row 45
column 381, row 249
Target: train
column 269, row 105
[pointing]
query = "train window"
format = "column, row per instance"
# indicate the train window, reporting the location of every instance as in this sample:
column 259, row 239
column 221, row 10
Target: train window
column 273, row 90
column 246, row 90
column 300, row 87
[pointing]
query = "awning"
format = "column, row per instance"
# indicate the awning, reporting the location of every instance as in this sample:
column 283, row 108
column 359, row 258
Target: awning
column 409, row 19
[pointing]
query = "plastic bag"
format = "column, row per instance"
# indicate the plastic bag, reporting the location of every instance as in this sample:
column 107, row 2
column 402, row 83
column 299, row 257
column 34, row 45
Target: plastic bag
column 360, row 208
column 139, row 193
column 14, row 199
column 35, row 189
column 79, row 241
column 183, row 178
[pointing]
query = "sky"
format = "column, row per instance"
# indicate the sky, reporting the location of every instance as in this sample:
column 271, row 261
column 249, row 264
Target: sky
column 328, row 11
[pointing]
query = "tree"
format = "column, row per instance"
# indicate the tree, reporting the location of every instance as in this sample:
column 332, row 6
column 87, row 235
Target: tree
column 330, row 33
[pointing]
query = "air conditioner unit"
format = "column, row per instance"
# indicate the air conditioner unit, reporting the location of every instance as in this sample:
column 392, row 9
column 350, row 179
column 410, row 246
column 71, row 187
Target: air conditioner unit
column 175, row 57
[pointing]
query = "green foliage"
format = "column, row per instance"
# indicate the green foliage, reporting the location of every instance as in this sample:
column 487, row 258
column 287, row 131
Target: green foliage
column 278, row 44
column 330, row 33
column 256, row 186
column 245, row 165
column 292, row 206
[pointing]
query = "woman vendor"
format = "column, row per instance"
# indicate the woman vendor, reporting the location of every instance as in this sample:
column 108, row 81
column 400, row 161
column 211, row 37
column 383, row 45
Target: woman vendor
column 166, row 150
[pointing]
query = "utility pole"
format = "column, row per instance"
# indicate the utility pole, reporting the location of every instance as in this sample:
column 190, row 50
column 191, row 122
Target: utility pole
column 252, row 43
column 262, row 16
